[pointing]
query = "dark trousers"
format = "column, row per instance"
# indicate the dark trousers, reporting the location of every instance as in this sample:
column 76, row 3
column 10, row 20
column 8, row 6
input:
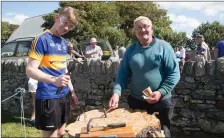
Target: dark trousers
column 164, row 107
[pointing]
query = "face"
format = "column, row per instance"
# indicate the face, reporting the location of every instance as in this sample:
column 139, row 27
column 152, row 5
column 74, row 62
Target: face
column 143, row 30
column 63, row 25
column 198, row 41
column 93, row 44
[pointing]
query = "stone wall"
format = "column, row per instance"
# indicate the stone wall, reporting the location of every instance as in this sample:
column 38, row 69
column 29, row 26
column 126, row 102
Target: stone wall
column 198, row 97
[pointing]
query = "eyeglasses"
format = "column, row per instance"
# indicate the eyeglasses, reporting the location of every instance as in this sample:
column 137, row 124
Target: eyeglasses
column 145, row 26
column 66, row 23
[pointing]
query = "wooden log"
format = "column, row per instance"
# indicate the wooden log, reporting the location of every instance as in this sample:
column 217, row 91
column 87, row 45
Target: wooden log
column 143, row 124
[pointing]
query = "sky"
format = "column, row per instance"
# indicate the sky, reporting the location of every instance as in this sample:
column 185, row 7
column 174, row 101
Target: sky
column 185, row 16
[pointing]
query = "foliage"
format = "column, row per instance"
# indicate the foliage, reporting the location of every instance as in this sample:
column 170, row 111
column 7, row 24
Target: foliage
column 7, row 30
column 114, row 21
column 211, row 32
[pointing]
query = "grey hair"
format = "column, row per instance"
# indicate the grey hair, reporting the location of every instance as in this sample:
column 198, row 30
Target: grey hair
column 203, row 39
column 142, row 18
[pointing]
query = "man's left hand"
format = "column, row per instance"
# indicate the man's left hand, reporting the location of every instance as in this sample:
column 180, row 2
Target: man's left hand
column 74, row 100
column 155, row 97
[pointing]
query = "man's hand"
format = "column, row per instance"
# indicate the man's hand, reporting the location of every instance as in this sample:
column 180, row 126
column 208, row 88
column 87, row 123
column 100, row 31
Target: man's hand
column 61, row 80
column 114, row 101
column 74, row 99
column 155, row 97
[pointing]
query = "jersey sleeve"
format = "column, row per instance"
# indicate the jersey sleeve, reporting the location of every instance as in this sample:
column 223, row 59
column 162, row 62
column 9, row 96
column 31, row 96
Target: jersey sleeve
column 37, row 49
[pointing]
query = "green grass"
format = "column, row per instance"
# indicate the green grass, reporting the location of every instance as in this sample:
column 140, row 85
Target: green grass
column 11, row 126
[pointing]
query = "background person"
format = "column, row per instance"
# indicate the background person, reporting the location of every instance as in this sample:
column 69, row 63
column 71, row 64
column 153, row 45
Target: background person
column 92, row 50
column 219, row 49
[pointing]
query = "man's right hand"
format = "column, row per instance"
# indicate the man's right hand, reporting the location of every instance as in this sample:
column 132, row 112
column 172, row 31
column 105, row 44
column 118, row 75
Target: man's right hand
column 114, row 101
column 62, row 80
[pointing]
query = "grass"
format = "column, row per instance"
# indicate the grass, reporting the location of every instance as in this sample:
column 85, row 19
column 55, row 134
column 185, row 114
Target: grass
column 11, row 126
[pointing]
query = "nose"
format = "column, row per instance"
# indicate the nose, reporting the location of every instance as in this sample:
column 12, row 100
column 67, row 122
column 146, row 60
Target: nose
column 143, row 29
column 66, row 29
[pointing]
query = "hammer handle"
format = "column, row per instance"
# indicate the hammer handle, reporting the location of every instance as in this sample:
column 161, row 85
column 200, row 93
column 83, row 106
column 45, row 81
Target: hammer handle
column 116, row 125
column 60, row 88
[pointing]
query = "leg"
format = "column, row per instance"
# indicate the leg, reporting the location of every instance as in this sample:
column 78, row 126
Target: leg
column 49, row 134
column 61, row 131
column 165, row 109
column 136, row 104
column 65, row 112
column 33, row 103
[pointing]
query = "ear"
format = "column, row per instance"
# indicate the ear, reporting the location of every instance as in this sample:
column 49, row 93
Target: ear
column 57, row 16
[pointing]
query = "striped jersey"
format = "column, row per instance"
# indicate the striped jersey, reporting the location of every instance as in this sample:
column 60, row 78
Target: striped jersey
column 51, row 51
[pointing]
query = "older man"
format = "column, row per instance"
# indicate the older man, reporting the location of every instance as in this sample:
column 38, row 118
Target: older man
column 93, row 51
column 202, row 47
column 150, row 62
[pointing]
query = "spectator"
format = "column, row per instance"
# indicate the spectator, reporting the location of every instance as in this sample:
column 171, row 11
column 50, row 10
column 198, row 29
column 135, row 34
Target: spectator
column 202, row 47
column 182, row 57
column 121, row 52
column 74, row 54
column 93, row 51
column 32, row 87
column 219, row 50
column 116, row 51
column 187, row 57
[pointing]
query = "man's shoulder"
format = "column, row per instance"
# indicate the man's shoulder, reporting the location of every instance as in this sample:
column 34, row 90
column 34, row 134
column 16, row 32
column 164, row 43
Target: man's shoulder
column 163, row 44
column 98, row 47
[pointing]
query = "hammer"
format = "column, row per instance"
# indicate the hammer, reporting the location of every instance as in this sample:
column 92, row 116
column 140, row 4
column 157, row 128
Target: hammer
column 71, row 67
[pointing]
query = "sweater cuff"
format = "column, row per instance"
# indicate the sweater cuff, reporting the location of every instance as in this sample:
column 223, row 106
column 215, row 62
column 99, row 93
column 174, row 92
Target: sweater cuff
column 162, row 91
column 117, row 91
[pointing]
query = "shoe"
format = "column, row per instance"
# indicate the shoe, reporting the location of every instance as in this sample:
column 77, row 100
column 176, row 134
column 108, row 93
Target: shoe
column 31, row 123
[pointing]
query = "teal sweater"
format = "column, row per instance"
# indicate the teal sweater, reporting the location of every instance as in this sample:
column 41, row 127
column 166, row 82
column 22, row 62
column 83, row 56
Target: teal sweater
column 154, row 66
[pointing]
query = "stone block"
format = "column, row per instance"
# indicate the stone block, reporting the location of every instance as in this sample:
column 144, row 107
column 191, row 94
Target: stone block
column 182, row 91
column 212, row 126
column 210, row 68
column 201, row 94
column 188, row 68
column 220, row 66
column 189, row 79
column 216, row 114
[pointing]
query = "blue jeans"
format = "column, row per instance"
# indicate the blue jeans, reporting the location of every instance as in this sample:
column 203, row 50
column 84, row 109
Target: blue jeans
column 164, row 107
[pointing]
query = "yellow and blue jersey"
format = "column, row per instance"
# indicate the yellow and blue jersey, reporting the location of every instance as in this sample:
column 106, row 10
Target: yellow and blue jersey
column 51, row 51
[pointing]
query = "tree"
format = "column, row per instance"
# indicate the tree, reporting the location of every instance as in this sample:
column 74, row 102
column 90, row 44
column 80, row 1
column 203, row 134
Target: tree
column 211, row 32
column 114, row 21
column 7, row 30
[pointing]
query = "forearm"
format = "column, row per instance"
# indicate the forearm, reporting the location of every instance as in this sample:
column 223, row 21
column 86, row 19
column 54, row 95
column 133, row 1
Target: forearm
column 170, row 82
column 71, row 88
column 76, row 53
column 39, row 75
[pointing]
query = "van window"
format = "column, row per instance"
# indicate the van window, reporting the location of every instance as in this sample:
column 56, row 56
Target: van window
column 23, row 49
column 8, row 50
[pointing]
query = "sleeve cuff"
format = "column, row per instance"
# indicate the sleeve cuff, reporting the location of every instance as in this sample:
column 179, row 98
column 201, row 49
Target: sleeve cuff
column 162, row 91
column 117, row 91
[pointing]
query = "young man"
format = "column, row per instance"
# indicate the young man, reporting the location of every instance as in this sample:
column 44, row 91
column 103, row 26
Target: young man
column 47, row 64
column 93, row 51
column 150, row 62
column 219, row 49
column 32, row 87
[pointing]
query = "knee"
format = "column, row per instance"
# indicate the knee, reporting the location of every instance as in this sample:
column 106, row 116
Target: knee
column 61, row 133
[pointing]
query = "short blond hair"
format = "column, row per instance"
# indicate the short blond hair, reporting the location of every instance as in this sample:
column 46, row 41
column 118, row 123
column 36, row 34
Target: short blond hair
column 71, row 14
column 142, row 18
